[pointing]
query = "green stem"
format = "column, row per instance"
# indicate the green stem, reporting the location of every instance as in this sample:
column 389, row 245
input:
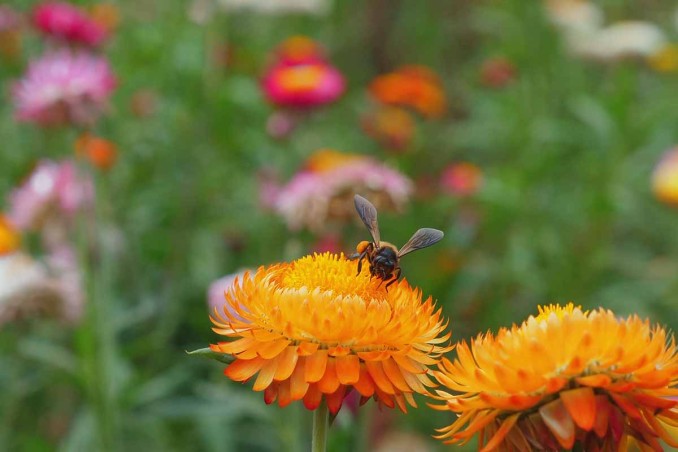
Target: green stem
column 98, row 337
column 365, row 420
column 320, row 423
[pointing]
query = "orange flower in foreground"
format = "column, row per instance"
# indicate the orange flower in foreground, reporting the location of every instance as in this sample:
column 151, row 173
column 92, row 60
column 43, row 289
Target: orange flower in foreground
column 9, row 237
column 99, row 151
column 312, row 328
column 417, row 87
column 562, row 377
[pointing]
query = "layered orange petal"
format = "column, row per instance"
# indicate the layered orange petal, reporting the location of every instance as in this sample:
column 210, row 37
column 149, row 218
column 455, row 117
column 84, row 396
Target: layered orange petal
column 314, row 329
column 566, row 375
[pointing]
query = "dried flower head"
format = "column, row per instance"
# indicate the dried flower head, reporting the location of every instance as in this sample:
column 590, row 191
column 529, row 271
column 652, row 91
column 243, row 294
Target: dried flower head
column 313, row 329
column 563, row 377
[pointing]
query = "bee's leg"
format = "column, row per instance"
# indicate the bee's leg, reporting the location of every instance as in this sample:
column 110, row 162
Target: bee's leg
column 360, row 257
column 394, row 277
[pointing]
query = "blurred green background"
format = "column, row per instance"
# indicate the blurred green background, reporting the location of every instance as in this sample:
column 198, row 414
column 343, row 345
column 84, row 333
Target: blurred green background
column 566, row 211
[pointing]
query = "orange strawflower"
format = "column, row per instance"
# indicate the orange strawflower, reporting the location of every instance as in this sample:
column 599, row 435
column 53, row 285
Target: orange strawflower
column 99, row 151
column 417, row 87
column 313, row 329
column 566, row 376
column 9, row 237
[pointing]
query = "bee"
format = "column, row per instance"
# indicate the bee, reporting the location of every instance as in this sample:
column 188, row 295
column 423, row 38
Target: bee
column 383, row 257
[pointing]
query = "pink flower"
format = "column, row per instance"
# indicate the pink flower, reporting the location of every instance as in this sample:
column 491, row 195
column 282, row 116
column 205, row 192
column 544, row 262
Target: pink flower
column 66, row 22
column 324, row 190
column 216, row 294
column 64, row 87
column 53, row 190
column 301, row 77
column 461, row 179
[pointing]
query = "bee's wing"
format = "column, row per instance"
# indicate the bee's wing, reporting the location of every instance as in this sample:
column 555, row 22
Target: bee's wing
column 368, row 213
column 421, row 239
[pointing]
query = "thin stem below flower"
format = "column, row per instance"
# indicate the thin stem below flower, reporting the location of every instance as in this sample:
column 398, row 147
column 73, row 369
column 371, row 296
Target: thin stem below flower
column 320, row 424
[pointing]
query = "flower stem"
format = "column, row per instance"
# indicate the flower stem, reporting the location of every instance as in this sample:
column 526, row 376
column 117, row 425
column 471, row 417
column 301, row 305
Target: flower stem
column 320, row 423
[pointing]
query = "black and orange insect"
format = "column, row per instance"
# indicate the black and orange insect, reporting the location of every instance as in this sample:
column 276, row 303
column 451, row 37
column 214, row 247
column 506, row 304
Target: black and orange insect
column 384, row 257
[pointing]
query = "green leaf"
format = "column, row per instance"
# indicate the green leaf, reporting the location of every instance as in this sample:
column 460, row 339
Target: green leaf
column 208, row 353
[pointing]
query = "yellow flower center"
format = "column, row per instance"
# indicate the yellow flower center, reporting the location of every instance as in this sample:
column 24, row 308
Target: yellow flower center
column 336, row 277
column 301, row 78
column 329, row 159
column 559, row 311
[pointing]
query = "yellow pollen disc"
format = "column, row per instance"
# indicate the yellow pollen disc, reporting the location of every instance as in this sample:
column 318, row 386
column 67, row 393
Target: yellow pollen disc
column 335, row 276
column 301, row 78
column 559, row 311
column 329, row 159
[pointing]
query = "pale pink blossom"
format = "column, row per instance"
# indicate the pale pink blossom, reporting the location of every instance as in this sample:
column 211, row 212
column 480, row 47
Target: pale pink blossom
column 66, row 22
column 64, row 87
column 324, row 190
column 53, row 191
column 216, row 293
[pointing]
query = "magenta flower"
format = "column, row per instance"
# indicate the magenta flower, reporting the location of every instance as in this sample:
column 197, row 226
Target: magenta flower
column 64, row 87
column 53, row 191
column 66, row 22
column 301, row 77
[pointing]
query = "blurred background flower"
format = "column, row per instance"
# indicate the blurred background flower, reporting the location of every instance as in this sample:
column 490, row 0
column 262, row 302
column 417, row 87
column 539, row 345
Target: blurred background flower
column 416, row 87
column 279, row 6
column 65, row 22
column 100, row 152
column 64, row 87
column 461, row 179
column 301, row 77
column 323, row 190
column 665, row 178
column 52, row 193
